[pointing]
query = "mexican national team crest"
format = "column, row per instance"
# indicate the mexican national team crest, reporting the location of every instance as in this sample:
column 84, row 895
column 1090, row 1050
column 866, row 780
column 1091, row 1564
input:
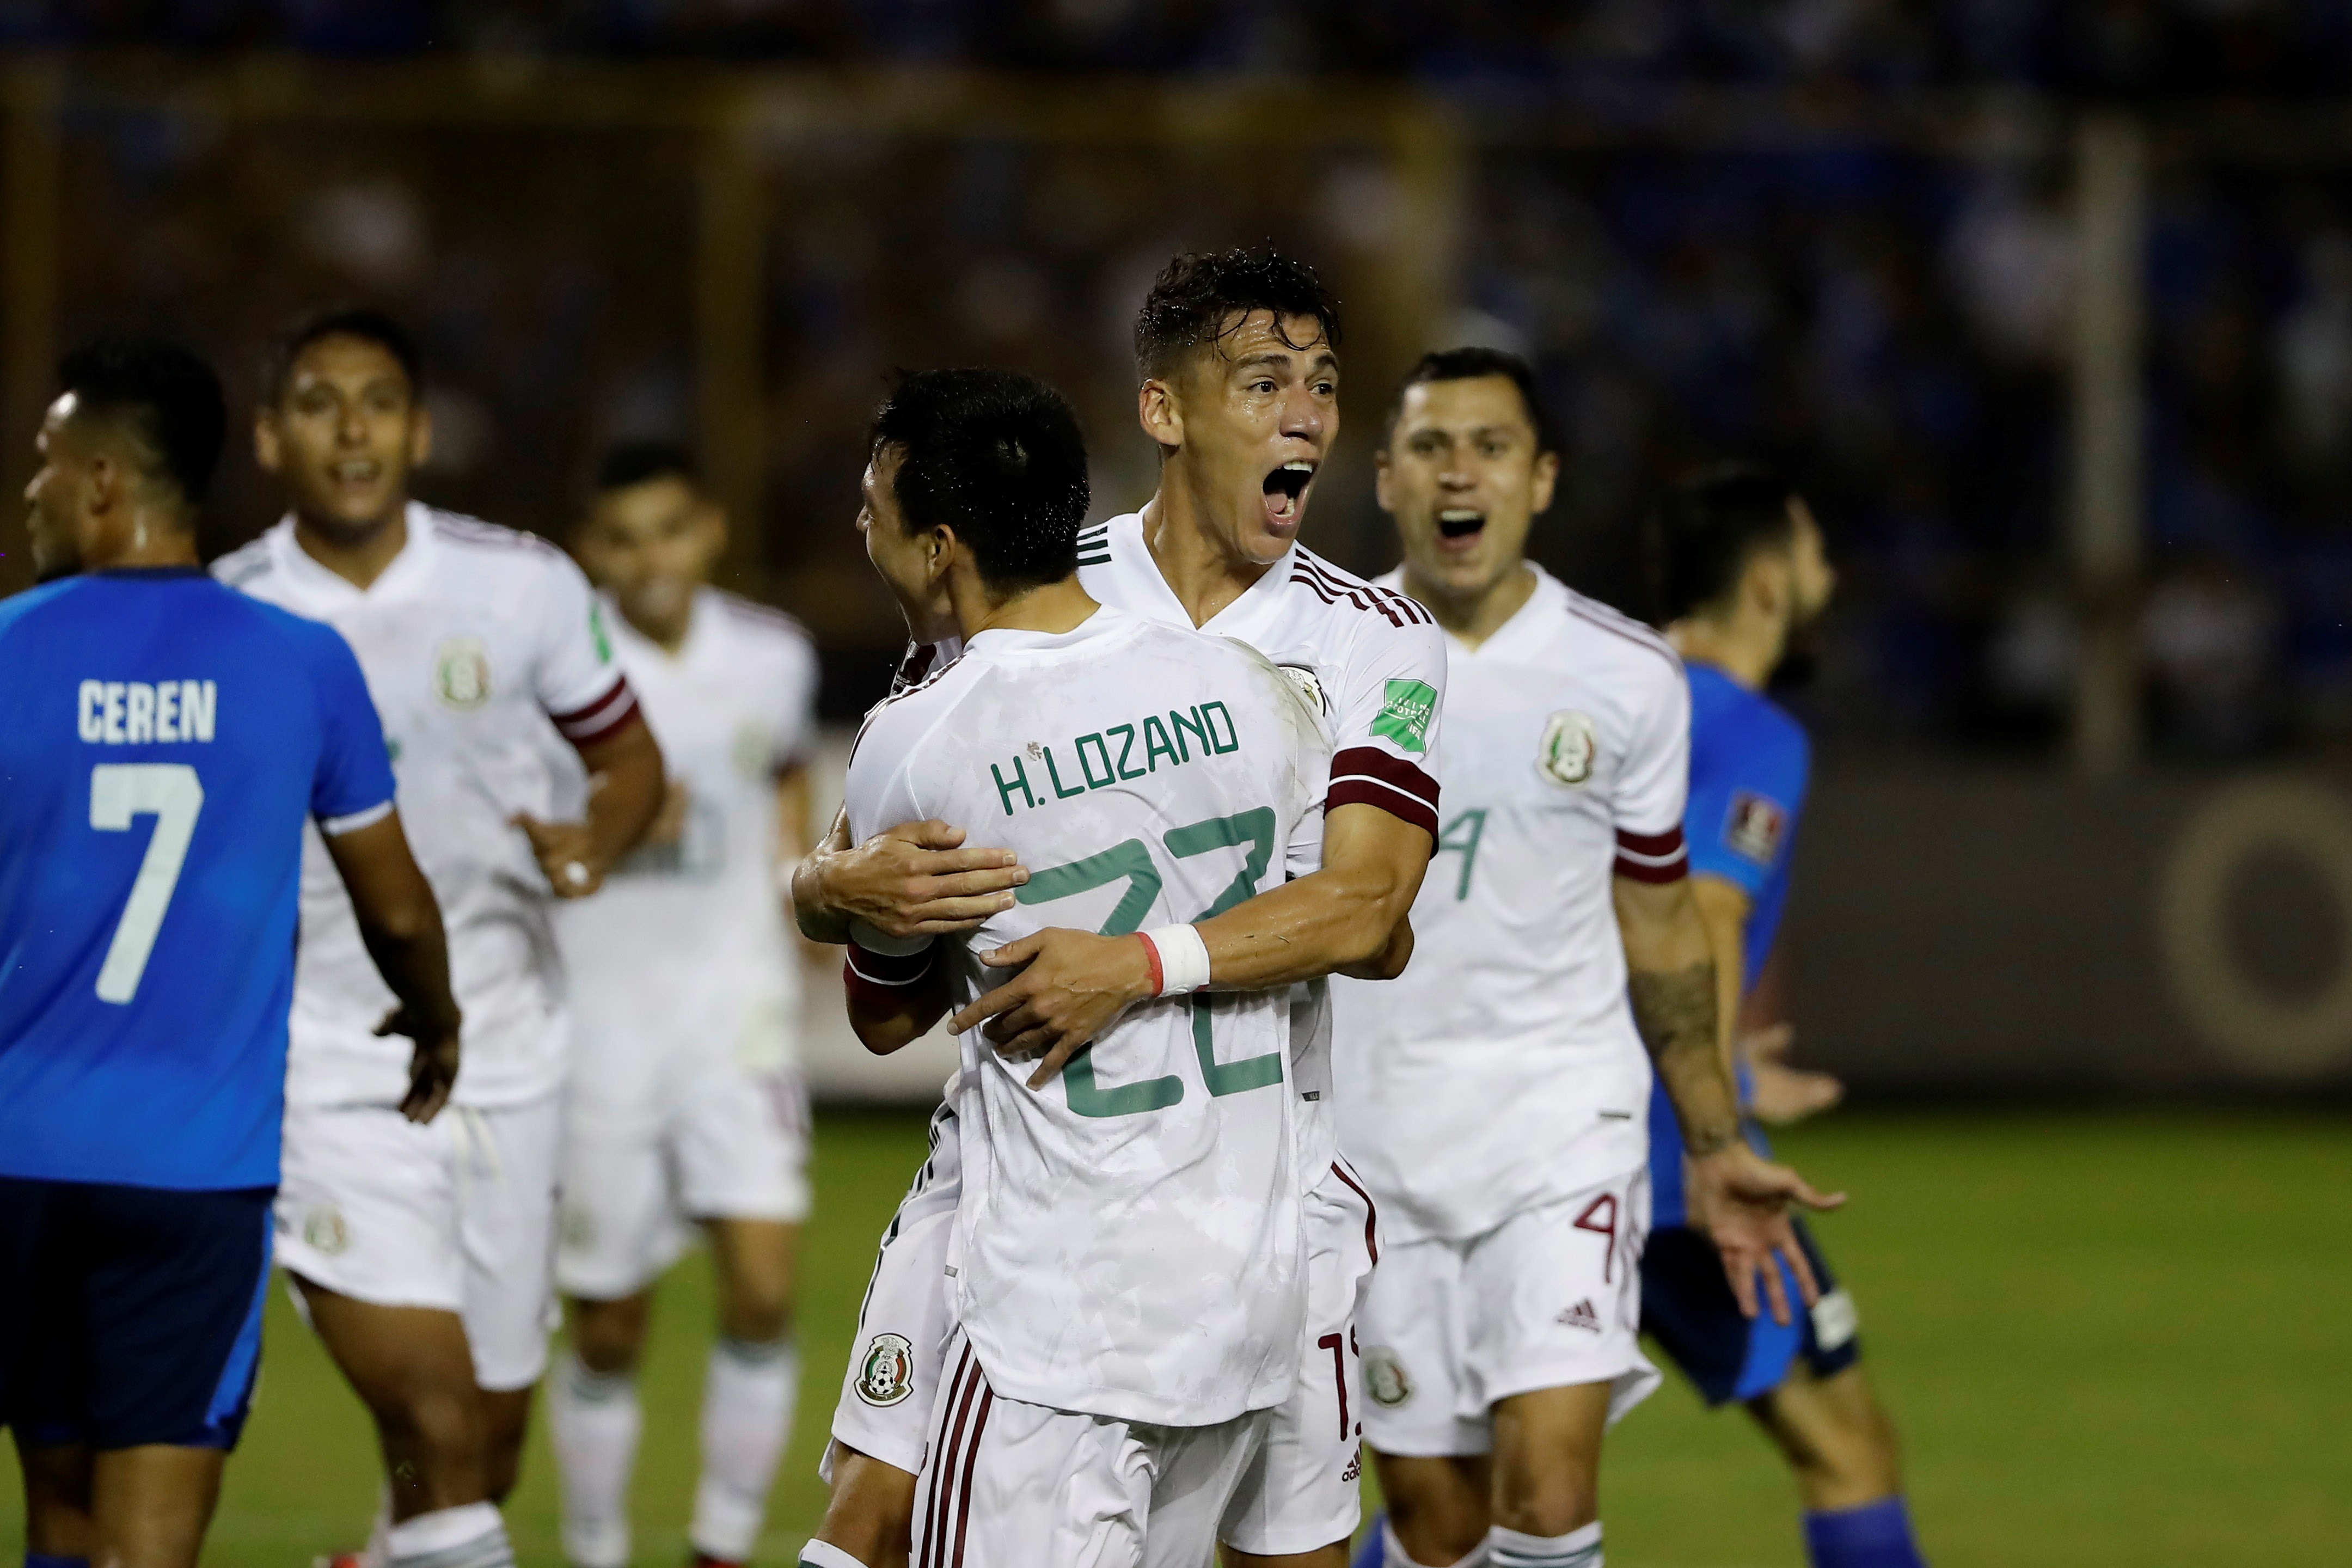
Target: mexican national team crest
column 1405, row 714
column 1384, row 1377
column 1566, row 751
column 1308, row 685
column 886, row 1375
column 461, row 673
column 324, row 1230
column 1753, row 827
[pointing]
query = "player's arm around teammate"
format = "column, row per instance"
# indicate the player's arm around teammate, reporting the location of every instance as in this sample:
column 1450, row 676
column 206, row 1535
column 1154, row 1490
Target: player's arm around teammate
column 122, row 1466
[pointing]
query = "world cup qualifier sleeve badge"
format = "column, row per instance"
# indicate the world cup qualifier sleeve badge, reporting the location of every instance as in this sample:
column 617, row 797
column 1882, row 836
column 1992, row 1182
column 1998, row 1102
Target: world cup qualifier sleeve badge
column 886, row 1375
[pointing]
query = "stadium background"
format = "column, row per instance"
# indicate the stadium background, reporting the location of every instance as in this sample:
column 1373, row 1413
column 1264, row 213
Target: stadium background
column 2047, row 306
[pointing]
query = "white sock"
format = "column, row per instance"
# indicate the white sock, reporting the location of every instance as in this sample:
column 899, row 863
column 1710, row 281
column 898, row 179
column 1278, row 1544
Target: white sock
column 1577, row 1549
column 826, row 1554
column 594, row 1420
column 471, row 1536
column 1393, row 1554
column 747, row 1414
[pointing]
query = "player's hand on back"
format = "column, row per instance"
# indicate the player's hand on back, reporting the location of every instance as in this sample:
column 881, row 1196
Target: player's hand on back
column 431, row 1070
column 566, row 856
column 1741, row 1200
column 1072, row 985
column 1779, row 1094
column 917, row 879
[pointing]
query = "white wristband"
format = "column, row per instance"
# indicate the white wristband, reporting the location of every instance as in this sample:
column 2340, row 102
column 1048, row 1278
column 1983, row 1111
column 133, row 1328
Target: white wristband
column 1184, row 959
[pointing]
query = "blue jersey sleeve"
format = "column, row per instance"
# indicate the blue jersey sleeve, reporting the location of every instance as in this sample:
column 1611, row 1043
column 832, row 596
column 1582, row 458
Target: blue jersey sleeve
column 354, row 773
column 1747, row 786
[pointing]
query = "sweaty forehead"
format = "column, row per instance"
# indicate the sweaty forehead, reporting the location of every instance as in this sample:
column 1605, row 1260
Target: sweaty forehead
column 1249, row 334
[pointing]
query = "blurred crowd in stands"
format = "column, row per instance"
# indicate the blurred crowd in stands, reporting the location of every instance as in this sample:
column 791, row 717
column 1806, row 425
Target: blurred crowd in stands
column 2128, row 46
column 1886, row 321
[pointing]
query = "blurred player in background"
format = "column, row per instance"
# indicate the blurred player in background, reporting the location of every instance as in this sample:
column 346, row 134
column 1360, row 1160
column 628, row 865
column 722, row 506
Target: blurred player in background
column 1129, row 1269
column 1743, row 580
column 686, row 1105
column 1237, row 358
column 163, row 742
column 425, row 1254
column 1497, row 1094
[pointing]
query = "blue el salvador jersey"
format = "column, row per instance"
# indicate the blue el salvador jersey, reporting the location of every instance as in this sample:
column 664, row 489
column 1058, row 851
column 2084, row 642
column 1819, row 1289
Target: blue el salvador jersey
column 163, row 741
column 1749, row 763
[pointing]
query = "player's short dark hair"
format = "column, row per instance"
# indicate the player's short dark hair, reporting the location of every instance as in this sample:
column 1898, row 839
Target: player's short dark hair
column 1201, row 296
column 997, row 456
column 1708, row 525
column 1476, row 364
column 362, row 321
column 628, row 463
column 166, row 397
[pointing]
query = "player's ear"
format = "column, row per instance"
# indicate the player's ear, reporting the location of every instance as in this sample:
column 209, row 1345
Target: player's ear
column 712, row 518
column 1381, row 480
column 267, row 452
column 1158, row 410
column 420, row 435
column 1547, row 478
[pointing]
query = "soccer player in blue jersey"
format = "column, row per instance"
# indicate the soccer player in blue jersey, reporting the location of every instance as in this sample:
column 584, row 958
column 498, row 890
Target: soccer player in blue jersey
column 1743, row 579
column 163, row 741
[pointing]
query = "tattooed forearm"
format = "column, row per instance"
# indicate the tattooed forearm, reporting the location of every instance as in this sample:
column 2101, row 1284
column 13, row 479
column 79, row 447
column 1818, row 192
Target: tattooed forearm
column 1676, row 1011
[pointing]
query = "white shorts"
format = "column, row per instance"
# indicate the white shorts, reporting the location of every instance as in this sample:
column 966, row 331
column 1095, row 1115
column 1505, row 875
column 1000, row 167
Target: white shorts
column 1012, row 1485
column 893, row 1378
column 458, row 1215
column 733, row 1144
column 1549, row 1299
column 1302, row 1494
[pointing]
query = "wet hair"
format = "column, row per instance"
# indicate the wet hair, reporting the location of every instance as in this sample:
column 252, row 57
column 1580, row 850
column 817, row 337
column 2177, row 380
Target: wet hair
column 166, row 398
column 628, row 463
column 1202, row 294
column 995, row 456
column 362, row 321
column 1707, row 527
column 1476, row 364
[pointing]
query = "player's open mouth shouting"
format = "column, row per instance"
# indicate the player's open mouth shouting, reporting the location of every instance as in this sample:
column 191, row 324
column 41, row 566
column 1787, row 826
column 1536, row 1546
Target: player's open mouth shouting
column 1286, row 494
column 1458, row 528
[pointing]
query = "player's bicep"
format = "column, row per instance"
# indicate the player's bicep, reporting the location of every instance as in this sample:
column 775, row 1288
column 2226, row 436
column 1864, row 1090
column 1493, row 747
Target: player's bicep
column 1381, row 854
column 352, row 782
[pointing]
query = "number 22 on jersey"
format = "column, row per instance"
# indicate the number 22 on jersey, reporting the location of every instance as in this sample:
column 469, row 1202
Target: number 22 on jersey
column 1130, row 861
column 173, row 795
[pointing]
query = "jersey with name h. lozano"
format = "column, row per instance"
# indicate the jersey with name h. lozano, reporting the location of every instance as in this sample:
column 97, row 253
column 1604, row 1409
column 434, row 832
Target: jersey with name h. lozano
column 684, row 948
column 1372, row 665
column 1503, row 1069
column 1128, row 1235
column 473, row 639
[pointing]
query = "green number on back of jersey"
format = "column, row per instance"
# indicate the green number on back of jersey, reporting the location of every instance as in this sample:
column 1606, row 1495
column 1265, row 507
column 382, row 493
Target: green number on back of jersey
column 1461, row 837
column 1131, row 862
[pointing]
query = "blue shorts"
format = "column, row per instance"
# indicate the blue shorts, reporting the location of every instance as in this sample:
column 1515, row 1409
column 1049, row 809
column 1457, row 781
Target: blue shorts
column 132, row 1315
column 1688, row 1308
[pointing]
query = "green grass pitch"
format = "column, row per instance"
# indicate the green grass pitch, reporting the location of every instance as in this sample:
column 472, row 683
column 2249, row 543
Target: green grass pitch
column 2108, row 1339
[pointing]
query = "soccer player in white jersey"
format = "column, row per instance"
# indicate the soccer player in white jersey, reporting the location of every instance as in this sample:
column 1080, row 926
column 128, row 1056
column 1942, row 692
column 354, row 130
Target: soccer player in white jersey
column 1497, row 1093
column 1237, row 359
column 424, row 1254
column 686, row 1105
column 1129, row 1273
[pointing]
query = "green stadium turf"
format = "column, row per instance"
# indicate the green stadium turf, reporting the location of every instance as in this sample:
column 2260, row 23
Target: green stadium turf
column 2108, row 1339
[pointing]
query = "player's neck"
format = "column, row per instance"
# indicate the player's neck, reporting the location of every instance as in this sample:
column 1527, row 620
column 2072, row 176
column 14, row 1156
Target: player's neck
column 1743, row 646
column 1204, row 572
column 149, row 540
column 1051, row 608
column 670, row 635
column 1473, row 617
column 357, row 555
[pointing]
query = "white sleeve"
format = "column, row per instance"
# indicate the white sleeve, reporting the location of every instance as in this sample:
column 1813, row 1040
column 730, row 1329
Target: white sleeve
column 1652, row 784
column 879, row 791
column 795, row 700
column 574, row 677
column 1385, row 722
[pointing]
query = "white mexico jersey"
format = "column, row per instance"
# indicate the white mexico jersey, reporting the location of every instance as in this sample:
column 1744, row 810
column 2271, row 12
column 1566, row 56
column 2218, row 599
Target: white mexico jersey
column 1370, row 661
column 1128, row 1237
column 684, row 948
column 1502, row 1068
column 472, row 640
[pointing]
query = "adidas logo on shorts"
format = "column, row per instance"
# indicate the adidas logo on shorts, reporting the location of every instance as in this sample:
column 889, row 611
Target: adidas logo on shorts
column 1580, row 1316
